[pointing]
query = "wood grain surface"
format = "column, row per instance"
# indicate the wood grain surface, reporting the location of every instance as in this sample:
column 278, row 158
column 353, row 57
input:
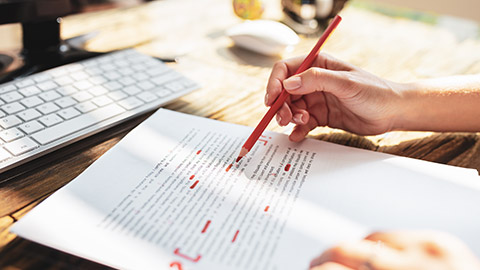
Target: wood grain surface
column 233, row 82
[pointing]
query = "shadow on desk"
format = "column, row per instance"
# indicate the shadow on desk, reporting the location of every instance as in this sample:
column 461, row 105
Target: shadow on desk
column 24, row 254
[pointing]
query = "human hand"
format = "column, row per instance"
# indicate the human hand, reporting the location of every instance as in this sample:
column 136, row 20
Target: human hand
column 402, row 250
column 335, row 94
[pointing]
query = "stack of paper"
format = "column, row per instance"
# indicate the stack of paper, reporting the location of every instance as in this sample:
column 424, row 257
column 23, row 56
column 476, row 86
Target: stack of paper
column 168, row 196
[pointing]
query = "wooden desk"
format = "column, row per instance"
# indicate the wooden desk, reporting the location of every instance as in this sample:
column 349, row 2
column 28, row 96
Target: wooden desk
column 233, row 83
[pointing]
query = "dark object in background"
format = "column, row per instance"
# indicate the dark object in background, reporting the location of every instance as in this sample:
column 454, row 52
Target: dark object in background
column 310, row 16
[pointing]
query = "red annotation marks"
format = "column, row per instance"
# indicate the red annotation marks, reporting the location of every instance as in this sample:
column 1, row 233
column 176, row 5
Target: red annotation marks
column 177, row 264
column 229, row 167
column 194, row 184
column 266, row 208
column 177, row 252
column 264, row 139
column 198, row 152
column 206, row 226
column 287, row 167
column 235, row 236
column 192, row 176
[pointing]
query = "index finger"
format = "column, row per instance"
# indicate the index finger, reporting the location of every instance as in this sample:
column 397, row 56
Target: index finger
column 280, row 71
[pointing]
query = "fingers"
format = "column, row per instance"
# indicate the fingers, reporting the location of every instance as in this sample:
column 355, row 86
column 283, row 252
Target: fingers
column 358, row 254
column 300, row 131
column 317, row 80
column 331, row 266
column 285, row 68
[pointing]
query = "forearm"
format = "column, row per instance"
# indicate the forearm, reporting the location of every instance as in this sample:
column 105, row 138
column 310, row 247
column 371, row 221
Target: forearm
column 446, row 104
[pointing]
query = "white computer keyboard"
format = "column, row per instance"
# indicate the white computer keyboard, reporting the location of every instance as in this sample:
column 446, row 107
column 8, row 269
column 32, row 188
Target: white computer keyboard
column 54, row 108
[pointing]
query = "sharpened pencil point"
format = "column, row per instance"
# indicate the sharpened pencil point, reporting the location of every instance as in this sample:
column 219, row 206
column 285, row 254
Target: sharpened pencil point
column 243, row 152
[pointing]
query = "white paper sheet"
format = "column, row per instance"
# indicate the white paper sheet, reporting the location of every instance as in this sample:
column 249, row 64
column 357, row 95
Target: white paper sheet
column 166, row 196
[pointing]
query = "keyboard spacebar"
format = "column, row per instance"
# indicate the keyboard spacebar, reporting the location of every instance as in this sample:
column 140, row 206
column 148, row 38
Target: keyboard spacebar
column 76, row 124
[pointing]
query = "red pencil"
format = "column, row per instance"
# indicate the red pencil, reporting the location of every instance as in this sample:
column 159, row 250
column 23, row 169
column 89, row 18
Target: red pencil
column 247, row 146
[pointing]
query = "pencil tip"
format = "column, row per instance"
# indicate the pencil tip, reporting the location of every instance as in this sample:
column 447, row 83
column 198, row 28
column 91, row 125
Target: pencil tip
column 243, row 152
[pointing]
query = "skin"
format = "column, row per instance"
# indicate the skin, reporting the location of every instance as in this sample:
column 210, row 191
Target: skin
column 399, row 250
column 339, row 95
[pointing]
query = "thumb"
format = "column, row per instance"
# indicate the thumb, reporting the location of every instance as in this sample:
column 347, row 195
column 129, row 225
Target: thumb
column 317, row 79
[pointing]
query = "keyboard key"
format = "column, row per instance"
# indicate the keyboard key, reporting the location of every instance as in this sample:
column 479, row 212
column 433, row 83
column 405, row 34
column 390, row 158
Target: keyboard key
column 117, row 95
column 65, row 102
column 147, row 97
column 102, row 101
column 86, row 106
column 108, row 67
column 24, row 83
column 132, row 90
column 21, row 146
column 82, row 96
column 11, row 134
column 4, row 154
column 76, row 124
column 65, row 80
column 73, row 67
column 97, row 80
column 67, row 90
column 58, row 72
column 167, row 77
column 83, row 85
column 13, row 108
column 127, row 81
column 7, row 88
column 112, row 75
column 130, row 103
column 11, row 97
column 29, row 114
column 31, row 127
column 93, row 71
column 10, row 121
column 31, row 101
column 78, row 76
column 30, row 91
column 112, row 86
column 162, row 92
column 50, row 95
column 174, row 86
column 50, row 120
column 157, row 71
column 48, row 108
column 126, row 71
column 45, row 86
column 140, row 76
column 146, row 85
column 68, row 113
column 41, row 77
column 98, row 90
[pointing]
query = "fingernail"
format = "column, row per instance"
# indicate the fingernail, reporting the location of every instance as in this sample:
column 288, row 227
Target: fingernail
column 266, row 100
column 279, row 119
column 292, row 83
column 298, row 118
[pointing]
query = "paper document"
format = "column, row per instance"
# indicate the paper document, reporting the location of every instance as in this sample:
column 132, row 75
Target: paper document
column 168, row 196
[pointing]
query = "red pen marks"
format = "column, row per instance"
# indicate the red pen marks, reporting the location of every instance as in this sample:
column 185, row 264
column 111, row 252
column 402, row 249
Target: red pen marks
column 177, row 252
column 229, row 167
column 235, row 236
column 192, row 176
column 194, row 184
column 287, row 167
column 266, row 208
column 177, row 264
column 206, row 226
column 198, row 152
